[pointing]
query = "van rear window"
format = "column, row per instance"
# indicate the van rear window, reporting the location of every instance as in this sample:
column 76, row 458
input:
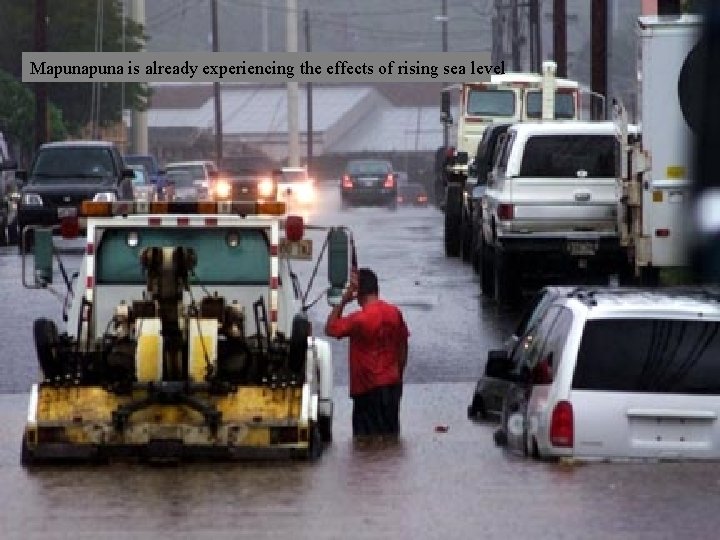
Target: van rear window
column 569, row 156
column 641, row 355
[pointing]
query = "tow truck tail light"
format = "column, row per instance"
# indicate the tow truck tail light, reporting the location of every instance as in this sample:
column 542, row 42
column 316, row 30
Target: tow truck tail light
column 294, row 228
column 70, row 227
column 505, row 211
column 561, row 425
column 389, row 181
column 347, row 182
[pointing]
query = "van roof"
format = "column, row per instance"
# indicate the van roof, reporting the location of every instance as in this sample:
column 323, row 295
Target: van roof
column 696, row 302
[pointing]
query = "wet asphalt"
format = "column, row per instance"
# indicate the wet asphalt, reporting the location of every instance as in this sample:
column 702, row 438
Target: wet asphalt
column 444, row 479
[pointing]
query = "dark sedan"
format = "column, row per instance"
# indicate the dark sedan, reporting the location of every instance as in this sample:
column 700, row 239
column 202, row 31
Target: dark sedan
column 369, row 182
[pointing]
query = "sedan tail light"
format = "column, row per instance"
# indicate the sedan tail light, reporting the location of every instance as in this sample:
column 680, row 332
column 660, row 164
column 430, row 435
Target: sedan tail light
column 347, row 182
column 389, row 181
column 561, row 426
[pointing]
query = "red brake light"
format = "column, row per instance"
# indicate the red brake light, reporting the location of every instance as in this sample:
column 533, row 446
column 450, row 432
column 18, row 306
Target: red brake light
column 389, row 181
column 347, row 182
column 505, row 211
column 294, row 228
column 69, row 227
column 561, row 425
column 662, row 233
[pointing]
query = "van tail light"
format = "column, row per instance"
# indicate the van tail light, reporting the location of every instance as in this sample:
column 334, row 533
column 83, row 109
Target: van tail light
column 389, row 181
column 347, row 182
column 505, row 211
column 561, row 425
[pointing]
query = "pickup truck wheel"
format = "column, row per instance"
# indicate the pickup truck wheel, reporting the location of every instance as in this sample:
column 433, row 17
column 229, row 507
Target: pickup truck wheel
column 12, row 232
column 504, row 278
column 315, row 446
column 27, row 459
column 3, row 232
column 487, row 270
column 453, row 221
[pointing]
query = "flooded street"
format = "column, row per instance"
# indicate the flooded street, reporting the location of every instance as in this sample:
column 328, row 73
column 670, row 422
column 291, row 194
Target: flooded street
column 444, row 479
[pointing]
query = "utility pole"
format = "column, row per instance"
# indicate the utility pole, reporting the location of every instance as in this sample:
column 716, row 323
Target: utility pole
column 264, row 26
column 515, row 24
column 535, row 36
column 308, row 92
column 598, row 72
column 291, row 41
column 560, row 36
column 139, row 118
column 41, row 122
column 216, row 92
column 444, row 20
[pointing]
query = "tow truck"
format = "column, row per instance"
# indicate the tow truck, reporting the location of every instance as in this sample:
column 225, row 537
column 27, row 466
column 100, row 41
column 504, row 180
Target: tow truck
column 187, row 335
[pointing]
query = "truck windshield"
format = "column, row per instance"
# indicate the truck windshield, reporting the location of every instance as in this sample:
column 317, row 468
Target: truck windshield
column 79, row 163
column 225, row 256
column 668, row 356
column 196, row 171
column 146, row 161
column 564, row 105
column 491, row 103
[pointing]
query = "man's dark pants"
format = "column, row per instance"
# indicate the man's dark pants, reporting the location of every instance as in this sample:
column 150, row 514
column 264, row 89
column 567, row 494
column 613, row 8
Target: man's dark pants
column 377, row 412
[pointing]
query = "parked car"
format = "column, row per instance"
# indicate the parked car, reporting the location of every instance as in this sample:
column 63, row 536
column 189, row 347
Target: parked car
column 181, row 186
column 294, row 186
column 143, row 188
column 63, row 174
column 615, row 374
column 412, row 195
column 487, row 400
column 8, row 198
column 369, row 181
column 148, row 161
column 203, row 172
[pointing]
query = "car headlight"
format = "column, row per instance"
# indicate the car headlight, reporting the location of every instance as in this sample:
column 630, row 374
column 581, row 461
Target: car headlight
column 222, row 189
column 266, row 187
column 31, row 199
column 105, row 196
column 306, row 192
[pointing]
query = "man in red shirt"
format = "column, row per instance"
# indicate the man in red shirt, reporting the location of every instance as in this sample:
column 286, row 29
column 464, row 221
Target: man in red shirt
column 378, row 354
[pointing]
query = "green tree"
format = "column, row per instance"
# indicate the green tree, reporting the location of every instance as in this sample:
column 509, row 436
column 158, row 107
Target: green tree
column 17, row 112
column 73, row 27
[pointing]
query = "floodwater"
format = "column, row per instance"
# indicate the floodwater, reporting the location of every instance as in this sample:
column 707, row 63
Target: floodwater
column 443, row 479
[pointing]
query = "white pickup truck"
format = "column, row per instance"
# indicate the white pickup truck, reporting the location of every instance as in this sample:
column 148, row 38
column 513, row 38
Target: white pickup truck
column 550, row 206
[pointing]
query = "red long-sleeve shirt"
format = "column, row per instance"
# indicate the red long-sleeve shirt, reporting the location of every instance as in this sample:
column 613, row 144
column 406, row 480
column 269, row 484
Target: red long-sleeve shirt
column 378, row 338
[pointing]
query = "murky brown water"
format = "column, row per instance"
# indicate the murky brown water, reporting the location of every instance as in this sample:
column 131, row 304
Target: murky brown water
column 430, row 485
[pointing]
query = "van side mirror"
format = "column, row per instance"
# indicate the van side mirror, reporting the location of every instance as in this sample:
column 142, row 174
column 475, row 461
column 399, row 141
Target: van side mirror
column 43, row 254
column 499, row 365
column 339, row 248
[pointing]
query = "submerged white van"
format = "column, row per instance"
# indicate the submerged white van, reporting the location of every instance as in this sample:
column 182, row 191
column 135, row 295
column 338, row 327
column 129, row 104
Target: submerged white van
column 616, row 374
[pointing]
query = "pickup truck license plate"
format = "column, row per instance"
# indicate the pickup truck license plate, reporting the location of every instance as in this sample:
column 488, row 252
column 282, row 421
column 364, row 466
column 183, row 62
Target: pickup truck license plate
column 66, row 212
column 580, row 248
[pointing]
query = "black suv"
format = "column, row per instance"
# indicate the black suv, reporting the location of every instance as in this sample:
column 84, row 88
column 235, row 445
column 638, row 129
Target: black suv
column 63, row 174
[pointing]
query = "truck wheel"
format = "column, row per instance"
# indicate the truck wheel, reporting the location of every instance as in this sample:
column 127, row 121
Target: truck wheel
column 466, row 239
column 315, row 446
column 504, row 278
column 298, row 344
column 453, row 220
column 487, row 270
column 12, row 232
column 46, row 342
column 27, row 459
column 325, row 428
